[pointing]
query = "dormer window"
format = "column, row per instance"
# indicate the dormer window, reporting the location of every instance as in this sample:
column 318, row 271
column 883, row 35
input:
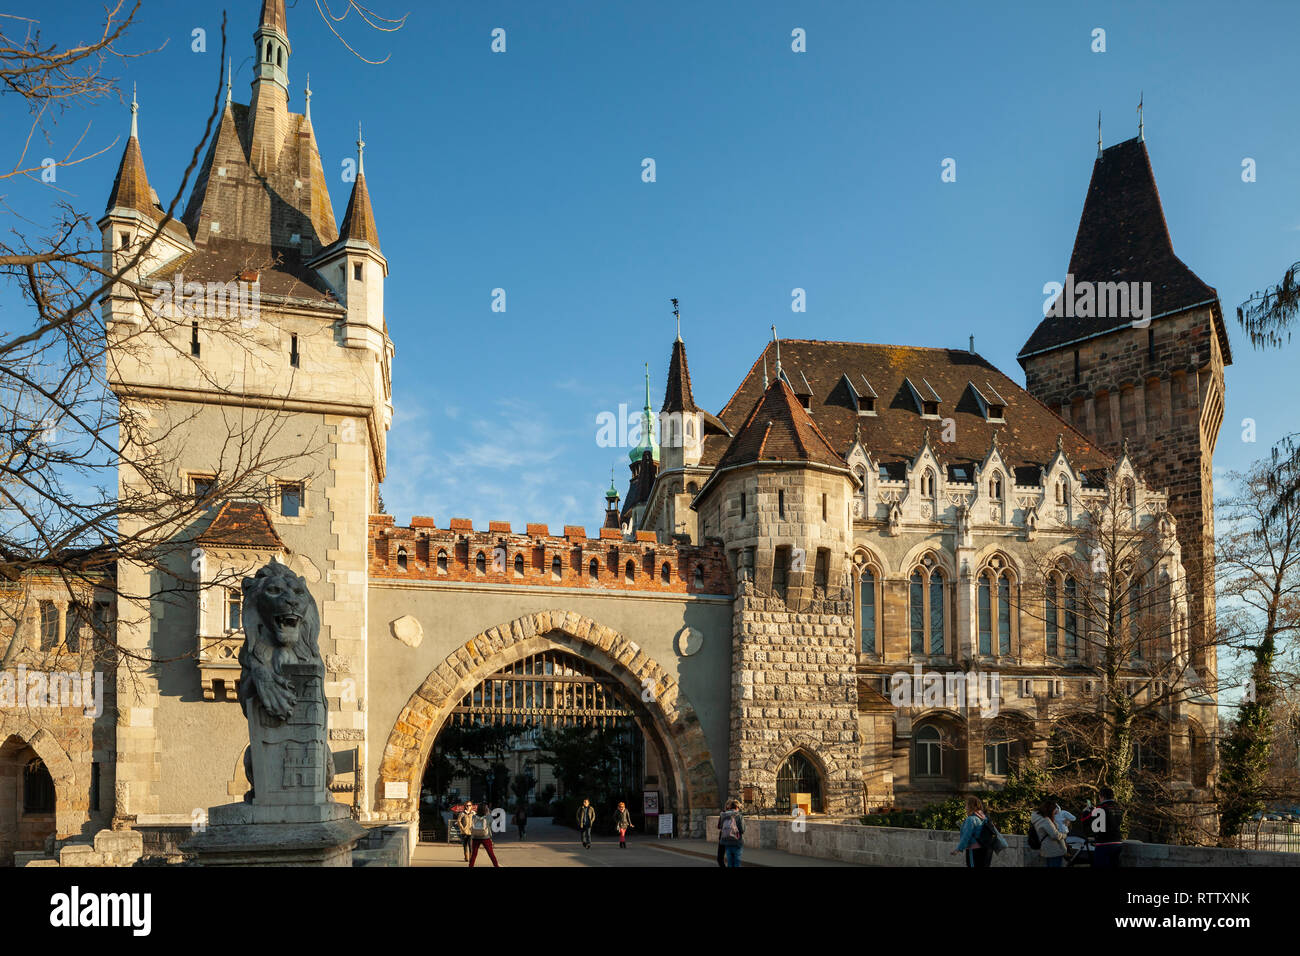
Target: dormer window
column 930, row 409
column 926, row 398
column 997, row 413
column 866, row 406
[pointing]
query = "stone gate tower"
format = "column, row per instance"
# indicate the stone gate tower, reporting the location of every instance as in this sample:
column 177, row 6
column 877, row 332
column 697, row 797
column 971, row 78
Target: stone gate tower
column 1151, row 378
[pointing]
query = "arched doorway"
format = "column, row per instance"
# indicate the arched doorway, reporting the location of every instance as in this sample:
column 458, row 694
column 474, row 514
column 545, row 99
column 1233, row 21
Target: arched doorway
column 27, row 800
column 548, row 726
column 798, row 775
column 664, row 714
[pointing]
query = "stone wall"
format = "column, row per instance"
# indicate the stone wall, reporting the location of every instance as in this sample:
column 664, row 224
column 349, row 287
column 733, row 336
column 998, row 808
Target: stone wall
column 894, row 846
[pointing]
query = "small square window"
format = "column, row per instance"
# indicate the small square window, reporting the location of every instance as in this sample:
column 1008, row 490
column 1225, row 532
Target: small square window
column 356, row 271
column 930, row 409
column 203, row 486
column 290, row 500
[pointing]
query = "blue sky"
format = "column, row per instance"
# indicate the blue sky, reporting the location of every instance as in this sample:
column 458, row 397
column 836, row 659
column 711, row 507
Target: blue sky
column 774, row 170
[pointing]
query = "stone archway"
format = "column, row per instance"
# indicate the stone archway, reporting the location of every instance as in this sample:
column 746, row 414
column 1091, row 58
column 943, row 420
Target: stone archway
column 19, row 738
column 672, row 718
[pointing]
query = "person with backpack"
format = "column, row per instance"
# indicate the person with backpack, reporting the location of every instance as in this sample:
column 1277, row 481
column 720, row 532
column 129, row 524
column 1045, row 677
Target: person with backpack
column 622, row 823
column 521, row 819
column 586, row 817
column 1045, row 834
column 978, row 837
column 1105, row 821
column 481, row 834
column 731, row 832
column 465, row 820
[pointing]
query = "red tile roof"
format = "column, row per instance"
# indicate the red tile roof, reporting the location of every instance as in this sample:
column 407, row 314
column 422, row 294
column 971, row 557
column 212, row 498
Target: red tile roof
column 242, row 524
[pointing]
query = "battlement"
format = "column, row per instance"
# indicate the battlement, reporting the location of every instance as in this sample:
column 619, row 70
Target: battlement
column 537, row 558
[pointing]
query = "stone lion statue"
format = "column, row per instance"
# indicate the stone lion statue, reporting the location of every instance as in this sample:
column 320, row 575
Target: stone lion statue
column 281, row 626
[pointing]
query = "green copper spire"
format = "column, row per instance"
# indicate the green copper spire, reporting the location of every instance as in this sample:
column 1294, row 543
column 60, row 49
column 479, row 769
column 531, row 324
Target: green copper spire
column 648, row 437
column 612, row 494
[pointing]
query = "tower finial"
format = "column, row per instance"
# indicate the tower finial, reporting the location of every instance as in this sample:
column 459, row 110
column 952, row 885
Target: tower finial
column 307, row 93
column 678, row 315
column 647, row 386
column 778, row 351
column 1099, row 134
column 229, row 79
column 361, row 152
column 135, row 108
column 1141, row 136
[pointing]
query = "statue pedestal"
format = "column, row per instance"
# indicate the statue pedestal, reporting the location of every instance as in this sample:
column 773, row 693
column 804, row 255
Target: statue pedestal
column 245, row 834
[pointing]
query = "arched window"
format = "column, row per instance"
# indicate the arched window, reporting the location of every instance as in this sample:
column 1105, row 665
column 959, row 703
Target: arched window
column 1062, row 491
column 594, row 568
column 557, row 568
column 1061, row 611
column 665, row 573
column 1127, row 493
column 401, row 559
column 629, row 571
column 927, row 483
column 279, row 57
column 798, row 775
column 995, row 487
column 997, row 753
column 268, row 51
column 1135, row 617
column 927, row 746
column 519, row 565
column 698, row 578
column 442, row 561
column 867, row 605
column 480, row 563
column 926, row 606
column 38, row 788
column 995, row 608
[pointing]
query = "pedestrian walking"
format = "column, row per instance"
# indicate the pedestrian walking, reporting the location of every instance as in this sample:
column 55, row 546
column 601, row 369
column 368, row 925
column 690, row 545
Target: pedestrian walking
column 622, row 823
column 731, row 832
column 481, row 834
column 521, row 819
column 977, row 855
column 586, row 817
column 465, row 820
column 1046, row 835
column 1105, row 820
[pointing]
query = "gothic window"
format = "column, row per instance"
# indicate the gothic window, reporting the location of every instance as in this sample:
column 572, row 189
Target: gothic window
column 867, row 605
column 690, row 428
column 927, row 484
column 1071, row 617
column 268, row 51
column 74, row 626
column 1128, row 495
column 480, row 563
column 38, row 788
column 519, row 565
column 995, row 609
column 556, row 568
column 665, row 573
column 442, row 561
column 1050, row 616
column 401, row 559
column 594, row 568
column 698, row 579
column 995, row 487
column 927, row 745
column 234, row 609
column 1135, row 616
column 49, row 626
column 279, row 57
column 629, row 572
column 1062, row 491
column 927, row 612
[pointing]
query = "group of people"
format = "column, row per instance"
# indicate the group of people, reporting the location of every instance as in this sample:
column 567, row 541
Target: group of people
column 475, row 826
column 1049, row 830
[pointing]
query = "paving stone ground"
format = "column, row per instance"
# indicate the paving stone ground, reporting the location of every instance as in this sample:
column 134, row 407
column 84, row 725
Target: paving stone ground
column 552, row 845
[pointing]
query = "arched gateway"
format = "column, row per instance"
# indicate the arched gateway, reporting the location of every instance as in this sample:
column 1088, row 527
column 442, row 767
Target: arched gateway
column 671, row 720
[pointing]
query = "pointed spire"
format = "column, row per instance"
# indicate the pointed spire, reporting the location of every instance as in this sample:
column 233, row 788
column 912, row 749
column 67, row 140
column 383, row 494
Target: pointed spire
column 359, row 220
column 678, row 315
column 778, row 351
column 273, row 17
column 229, row 79
column 1099, row 134
column 678, row 396
column 131, row 189
column 1141, row 136
column 649, row 441
column 306, row 114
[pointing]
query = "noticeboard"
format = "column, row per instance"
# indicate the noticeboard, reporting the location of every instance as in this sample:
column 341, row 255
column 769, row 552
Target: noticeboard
column 650, row 802
column 665, row 824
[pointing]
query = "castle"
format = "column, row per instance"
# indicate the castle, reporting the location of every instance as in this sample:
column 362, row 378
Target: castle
column 853, row 510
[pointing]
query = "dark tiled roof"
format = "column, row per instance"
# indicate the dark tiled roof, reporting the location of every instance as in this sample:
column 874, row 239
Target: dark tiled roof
column 131, row 188
column 359, row 220
column 242, row 524
column 677, row 396
column 642, row 483
column 1123, row 237
column 779, row 429
column 897, row 430
column 279, row 272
